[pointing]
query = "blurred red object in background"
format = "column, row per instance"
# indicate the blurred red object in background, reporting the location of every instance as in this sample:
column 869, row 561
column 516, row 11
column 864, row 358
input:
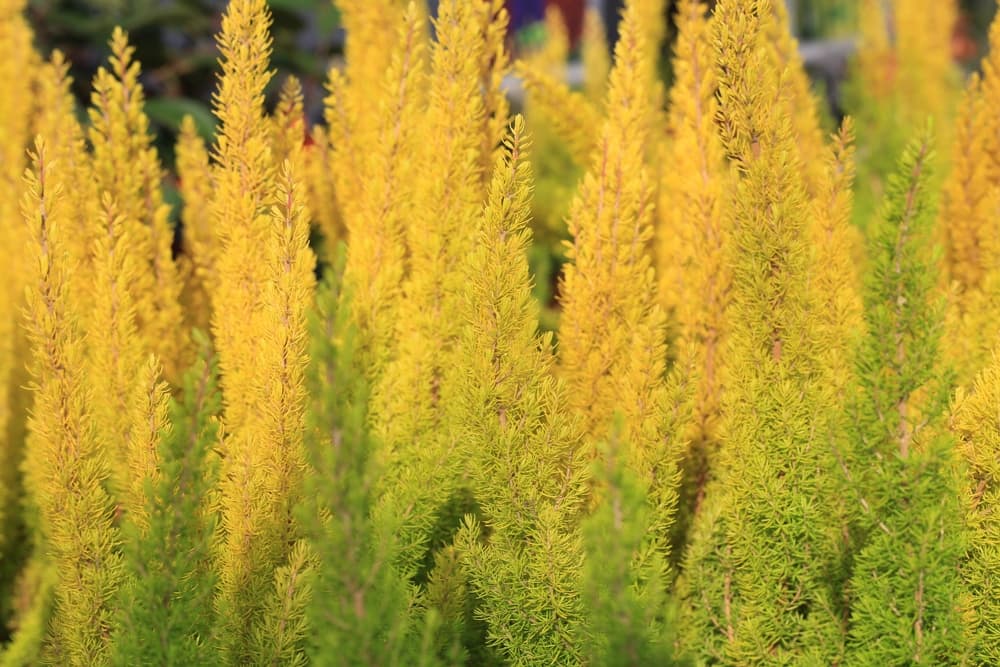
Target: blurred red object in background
column 964, row 48
column 572, row 11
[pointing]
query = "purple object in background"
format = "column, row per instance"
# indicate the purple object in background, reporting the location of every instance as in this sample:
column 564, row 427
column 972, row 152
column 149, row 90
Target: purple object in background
column 525, row 12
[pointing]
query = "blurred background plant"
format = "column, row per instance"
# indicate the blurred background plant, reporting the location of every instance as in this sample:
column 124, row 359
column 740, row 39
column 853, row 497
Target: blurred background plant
column 174, row 42
column 824, row 18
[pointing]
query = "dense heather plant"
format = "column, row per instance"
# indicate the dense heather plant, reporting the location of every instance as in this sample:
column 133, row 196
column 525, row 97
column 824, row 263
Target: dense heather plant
column 412, row 398
column 360, row 613
column 265, row 284
column 573, row 117
column 836, row 248
column 75, row 510
column 523, row 555
column 902, row 75
column 555, row 165
column 377, row 214
column 764, row 587
column 127, row 171
column 744, row 431
column 611, row 345
column 693, row 239
column 594, row 54
column 201, row 247
column 905, row 585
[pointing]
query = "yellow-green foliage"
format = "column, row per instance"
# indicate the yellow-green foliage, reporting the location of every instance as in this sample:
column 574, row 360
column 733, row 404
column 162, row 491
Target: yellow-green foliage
column 716, row 453
column 127, row 168
column 594, row 55
column 246, row 557
column 837, row 245
column 692, row 240
column 612, row 347
column 978, row 427
column 115, row 353
column 242, row 151
column 652, row 19
column 911, row 536
column 264, row 482
column 372, row 27
column 20, row 67
column 288, row 126
column 902, row 74
column 76, row 512
column 59, row 126
column 967, row 222
column 135, row 307
column 412, row 396
column 65, row 138
column 922, row 32
column 554, row 164
column 376, row 219
column 608, row 288
column 528, row 470
column 783, row 53
column 36, row 592
column 553, row 54
column 571, row 114
column 265, row 282
column 967, row 205
column 991, row 92
column 319, row 165
column 970, row 200
column 759, row 556
column 493, row 66
column 147, row 417
column 904, row 61
column 355, row 93
column 201, row 244
column 986, row 140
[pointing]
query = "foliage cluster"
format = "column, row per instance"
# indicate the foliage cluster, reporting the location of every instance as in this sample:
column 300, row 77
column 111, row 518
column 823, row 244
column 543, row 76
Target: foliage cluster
column 756, row 424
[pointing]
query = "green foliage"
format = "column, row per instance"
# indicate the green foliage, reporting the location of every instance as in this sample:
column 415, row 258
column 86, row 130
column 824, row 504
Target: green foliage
column 16, row 544
column 361, row 607
column 280, row 641
column 165, row 612
column 624, row 577
column 902, row 385
column 523, row 557
column 438, row 489
column 760, row 589
column 824, row 18
column 37, row 583
column 906, row 583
